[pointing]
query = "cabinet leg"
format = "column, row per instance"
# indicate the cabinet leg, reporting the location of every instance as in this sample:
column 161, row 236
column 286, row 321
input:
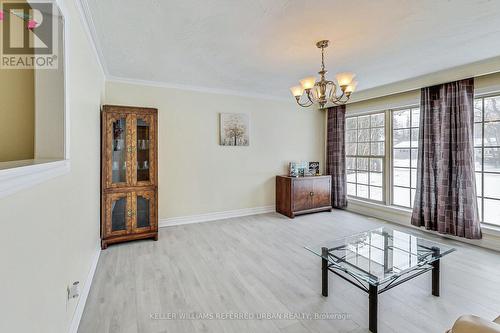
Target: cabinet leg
column 104, row 245
column 156, row 237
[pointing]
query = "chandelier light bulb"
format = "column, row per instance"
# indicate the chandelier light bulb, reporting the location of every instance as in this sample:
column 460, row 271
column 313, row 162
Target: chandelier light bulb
column 345, row 78
column 308, row 82
column 351, row 87
column 297, row 91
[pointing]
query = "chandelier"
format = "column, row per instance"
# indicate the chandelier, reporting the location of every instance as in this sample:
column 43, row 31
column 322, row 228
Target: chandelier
column 324, row 91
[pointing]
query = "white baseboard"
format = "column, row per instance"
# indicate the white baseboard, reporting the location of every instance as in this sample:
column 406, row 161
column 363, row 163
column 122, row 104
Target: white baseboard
column 214, row 216
column 77, row 316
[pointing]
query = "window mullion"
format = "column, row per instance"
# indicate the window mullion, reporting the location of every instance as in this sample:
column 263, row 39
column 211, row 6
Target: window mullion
column 388, row 158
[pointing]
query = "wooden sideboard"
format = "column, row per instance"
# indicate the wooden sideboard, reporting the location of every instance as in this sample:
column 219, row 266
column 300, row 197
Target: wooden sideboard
column 300, row 195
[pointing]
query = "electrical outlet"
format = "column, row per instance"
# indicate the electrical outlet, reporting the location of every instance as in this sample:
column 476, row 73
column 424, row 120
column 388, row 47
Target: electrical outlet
column 74, row 290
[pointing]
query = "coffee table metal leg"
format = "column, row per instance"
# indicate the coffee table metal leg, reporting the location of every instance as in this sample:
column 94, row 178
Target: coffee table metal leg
column 373, row 308
column 435, row 272
column 435, row 278
column 324, row 271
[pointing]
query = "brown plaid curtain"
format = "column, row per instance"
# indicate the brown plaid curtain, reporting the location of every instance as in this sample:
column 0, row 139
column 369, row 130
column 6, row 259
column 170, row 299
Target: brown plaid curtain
column 335, row 155
column 445, row 199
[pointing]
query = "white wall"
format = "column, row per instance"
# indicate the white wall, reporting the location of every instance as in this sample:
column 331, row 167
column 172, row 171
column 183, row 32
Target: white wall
column 196, row 174
column 50, row 232
column 49, row 108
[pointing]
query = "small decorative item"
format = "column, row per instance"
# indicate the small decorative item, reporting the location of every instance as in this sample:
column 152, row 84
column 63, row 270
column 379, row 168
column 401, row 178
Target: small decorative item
column 32, row 24
column 314, row 168
column 293, row 170
column 302, row 172
column 298, row 169
column 234, row 129
column 303, row 169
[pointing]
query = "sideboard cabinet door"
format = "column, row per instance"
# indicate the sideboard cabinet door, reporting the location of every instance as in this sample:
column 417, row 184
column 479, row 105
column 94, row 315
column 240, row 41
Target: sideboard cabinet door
column 322, row 192
column 302, row 194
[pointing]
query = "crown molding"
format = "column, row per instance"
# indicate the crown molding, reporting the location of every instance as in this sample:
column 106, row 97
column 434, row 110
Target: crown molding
column 474, row 69
column 89, row 28
column 160, row 84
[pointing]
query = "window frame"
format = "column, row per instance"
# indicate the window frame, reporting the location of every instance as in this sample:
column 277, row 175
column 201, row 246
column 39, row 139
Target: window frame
column 480, row 196
column 391, row 155
column 383, row 157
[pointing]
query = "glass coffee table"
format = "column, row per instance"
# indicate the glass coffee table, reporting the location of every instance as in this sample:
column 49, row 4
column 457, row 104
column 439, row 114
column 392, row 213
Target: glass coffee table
column 378, row 260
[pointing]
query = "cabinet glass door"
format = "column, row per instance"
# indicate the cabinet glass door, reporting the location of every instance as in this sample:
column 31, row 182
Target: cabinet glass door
column 144, row 152
column 118, row 214
column 118, row 150
column 145, row 217
column 119, row 158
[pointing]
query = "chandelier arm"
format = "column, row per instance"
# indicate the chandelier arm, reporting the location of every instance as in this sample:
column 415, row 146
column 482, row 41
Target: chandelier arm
column 333, row 91
column 339, row 99
column 308, row 93
column 305, row 105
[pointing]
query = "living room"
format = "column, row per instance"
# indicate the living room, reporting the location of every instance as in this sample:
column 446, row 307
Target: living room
column 250, row 166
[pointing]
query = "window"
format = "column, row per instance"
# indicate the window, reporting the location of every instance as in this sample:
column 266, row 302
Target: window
column 487, row 157
column 405, row 127
column 365, row 151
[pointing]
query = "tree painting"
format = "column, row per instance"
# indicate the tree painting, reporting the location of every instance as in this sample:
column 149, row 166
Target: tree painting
column 234, row 129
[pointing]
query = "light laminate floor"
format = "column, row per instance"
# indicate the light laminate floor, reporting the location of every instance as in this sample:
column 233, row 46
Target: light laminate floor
column 257, row 264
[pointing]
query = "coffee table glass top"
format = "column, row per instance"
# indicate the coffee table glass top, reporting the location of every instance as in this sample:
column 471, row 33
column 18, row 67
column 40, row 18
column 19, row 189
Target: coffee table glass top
column 380, row 255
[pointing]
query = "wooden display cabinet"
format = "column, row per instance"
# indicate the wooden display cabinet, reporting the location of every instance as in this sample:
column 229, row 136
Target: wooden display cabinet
column 129, row 173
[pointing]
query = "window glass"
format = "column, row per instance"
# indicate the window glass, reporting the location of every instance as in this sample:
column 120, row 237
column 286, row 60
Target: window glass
column 405, row 134
column 365, row 150
column 487, row 157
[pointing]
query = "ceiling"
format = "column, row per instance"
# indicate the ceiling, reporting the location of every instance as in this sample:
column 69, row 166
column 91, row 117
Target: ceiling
column 266, row 46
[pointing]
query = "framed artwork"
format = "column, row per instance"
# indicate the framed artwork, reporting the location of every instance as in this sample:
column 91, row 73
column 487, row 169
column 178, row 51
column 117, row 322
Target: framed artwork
column 314, row 168
column 234, row 129
column 298, row 169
